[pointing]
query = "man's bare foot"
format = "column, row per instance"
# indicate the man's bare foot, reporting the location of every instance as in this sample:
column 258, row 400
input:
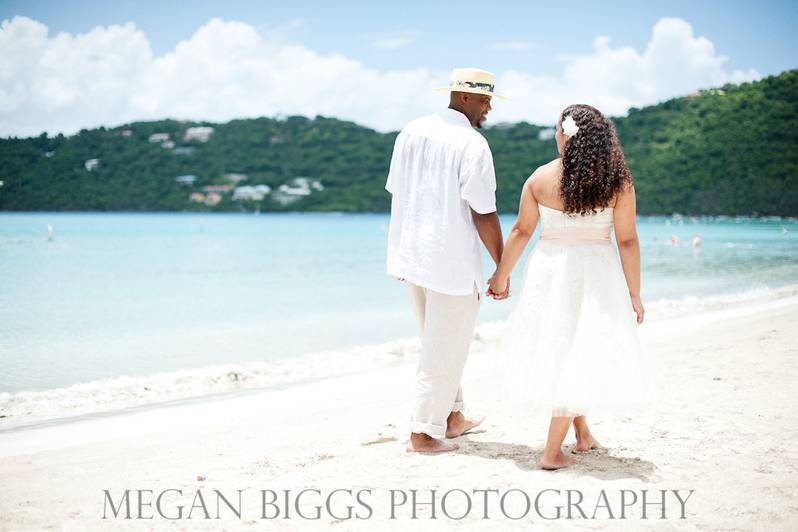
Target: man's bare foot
column 557, row 461
column 585, row 444
column 422, row 443
column 457, row 424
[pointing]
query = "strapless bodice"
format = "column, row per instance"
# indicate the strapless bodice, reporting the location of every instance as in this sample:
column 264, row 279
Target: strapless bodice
column 557, row 225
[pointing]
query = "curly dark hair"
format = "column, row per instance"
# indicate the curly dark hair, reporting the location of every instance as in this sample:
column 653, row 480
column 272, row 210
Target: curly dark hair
column 594, row 169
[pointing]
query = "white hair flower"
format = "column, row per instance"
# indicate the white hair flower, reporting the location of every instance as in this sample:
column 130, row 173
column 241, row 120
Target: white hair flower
column 569, row 126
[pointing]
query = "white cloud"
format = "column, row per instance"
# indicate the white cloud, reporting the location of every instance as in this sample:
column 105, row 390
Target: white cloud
column 226, row 70
column 66, row 82
column 517, row 46
column 674, row 63
column 393, row 41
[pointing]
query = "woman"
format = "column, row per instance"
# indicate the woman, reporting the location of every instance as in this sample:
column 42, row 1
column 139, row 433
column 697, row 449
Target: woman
column 572, row 344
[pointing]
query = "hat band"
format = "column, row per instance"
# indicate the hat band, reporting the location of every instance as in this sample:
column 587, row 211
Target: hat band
column 472, row 85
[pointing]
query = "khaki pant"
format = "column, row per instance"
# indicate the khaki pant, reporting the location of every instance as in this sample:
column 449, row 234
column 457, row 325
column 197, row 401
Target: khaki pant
column 446, row 325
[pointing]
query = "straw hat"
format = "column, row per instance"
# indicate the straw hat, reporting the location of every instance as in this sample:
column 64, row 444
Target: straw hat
column 472, row 80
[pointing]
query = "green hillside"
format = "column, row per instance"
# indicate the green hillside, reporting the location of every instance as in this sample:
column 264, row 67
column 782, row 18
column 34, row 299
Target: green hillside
column 732, row 150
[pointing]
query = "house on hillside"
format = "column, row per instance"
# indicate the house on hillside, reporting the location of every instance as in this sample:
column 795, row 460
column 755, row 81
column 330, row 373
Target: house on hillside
column 236, row 178
column 220, row 189
column 186, row 179
column 289, row 190
column 250, row 193
column 305, row 184
column 184, row 150
column 168, row 145
column 91, row 164
column 156, row 138
column 197, row 197
column 213, row 198
column 199, row 133
column 296, row 189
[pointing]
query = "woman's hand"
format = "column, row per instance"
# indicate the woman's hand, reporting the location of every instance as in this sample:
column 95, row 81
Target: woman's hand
column 637, row 306
column 498, row 288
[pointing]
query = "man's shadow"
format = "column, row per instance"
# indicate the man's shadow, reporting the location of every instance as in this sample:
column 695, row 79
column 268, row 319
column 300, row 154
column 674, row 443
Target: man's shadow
column 598, row 463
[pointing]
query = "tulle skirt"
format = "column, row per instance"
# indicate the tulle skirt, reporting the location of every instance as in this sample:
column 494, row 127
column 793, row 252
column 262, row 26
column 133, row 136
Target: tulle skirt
column 571, row 347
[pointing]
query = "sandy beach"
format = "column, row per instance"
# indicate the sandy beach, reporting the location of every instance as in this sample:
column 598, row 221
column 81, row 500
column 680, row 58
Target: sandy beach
column 724, row 427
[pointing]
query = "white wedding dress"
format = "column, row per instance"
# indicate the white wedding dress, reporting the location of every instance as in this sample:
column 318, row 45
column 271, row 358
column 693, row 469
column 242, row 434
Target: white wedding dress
column 572, row 345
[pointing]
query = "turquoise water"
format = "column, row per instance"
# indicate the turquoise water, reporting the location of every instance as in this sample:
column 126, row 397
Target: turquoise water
column 134, row 294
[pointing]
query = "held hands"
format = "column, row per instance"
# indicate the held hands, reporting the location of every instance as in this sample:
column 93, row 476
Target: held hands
column 637, row 306
column 498, row 289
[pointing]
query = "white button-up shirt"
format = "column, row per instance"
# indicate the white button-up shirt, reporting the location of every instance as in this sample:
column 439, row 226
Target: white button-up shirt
column 441, row 169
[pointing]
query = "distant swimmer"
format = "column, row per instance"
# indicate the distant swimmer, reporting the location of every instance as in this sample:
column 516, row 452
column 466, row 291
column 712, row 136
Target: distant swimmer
column 696, row 241
column 50, row 233
column 676, row 241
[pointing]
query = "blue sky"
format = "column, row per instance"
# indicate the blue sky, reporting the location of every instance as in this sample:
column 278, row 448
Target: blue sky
column 81, row 64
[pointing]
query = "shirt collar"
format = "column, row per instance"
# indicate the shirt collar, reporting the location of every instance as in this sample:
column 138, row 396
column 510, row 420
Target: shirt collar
column 455, row 117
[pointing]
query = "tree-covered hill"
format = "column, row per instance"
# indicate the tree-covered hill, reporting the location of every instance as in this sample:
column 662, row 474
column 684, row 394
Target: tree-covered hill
column 732, row 150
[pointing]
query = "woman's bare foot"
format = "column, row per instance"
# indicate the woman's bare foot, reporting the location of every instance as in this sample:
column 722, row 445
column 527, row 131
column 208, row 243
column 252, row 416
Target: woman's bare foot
column 584, row 438
column 586, row 443
column 555, row 461
column 457, row 424
column 422, row 443
column 553, row 457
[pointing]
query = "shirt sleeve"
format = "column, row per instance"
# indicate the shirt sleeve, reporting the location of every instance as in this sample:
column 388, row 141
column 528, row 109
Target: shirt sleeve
column 478, row 178
column 396, row 159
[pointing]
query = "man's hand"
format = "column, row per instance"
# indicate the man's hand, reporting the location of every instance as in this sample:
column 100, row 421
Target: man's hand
column 498, row 289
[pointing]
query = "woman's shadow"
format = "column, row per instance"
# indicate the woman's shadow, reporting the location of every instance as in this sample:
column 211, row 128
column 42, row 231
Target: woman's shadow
column 598, row 463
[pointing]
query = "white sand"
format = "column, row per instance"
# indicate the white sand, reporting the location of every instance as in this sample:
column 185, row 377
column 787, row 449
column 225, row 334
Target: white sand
column 724, row 426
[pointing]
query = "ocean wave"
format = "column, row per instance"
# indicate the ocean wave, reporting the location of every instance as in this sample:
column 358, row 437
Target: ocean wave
column 108, row 395
column 680, row 307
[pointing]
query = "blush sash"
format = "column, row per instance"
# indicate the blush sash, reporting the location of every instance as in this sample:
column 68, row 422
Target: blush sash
column 577, row 235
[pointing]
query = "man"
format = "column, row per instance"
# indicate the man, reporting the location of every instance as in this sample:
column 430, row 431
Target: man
column 443, row 190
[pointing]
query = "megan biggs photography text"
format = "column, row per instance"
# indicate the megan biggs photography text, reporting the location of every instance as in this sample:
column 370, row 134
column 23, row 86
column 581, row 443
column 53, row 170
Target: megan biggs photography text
column 362, row 504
